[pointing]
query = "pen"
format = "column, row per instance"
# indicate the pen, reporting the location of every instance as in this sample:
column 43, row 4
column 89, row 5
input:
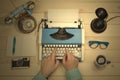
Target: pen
column 14, row 45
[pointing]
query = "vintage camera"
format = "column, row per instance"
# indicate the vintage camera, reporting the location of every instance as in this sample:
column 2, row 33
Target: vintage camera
column 21, row 62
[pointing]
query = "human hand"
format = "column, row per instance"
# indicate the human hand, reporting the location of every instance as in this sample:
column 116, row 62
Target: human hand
column 49, row 64
column 69, row 61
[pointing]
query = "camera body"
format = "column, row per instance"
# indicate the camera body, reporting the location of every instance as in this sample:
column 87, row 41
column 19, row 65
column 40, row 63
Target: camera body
column 21, row 62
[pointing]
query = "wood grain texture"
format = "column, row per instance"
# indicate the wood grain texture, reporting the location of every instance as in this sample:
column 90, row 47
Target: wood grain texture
column 87, row 13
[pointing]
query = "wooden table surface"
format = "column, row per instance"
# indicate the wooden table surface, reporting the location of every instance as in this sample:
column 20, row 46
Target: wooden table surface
column 87, row 67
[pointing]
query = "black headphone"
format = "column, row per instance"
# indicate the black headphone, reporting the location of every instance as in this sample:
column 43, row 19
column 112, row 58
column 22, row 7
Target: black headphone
column 99, row 24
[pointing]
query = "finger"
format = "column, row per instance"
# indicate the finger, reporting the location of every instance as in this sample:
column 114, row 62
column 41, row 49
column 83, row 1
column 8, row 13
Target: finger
column 64, row 59
column 54, row 53
column 68, row 55
column 47, row 57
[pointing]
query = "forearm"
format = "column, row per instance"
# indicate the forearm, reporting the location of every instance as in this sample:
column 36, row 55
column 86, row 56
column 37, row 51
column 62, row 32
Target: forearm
column 74, row 74
column 39, row 76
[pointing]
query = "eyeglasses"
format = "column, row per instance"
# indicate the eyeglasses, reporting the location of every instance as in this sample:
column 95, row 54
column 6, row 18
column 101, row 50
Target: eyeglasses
column 95, row 44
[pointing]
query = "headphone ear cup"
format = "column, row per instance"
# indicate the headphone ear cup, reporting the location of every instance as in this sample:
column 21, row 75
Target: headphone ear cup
column 98, row 25
column 101, row 13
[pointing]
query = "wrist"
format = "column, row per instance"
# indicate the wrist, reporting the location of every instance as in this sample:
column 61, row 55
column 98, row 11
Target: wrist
column 44, row 74
column 74, row 73
column 70, row 68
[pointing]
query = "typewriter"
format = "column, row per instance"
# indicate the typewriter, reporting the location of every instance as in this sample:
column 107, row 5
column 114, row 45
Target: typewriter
column 62, row 38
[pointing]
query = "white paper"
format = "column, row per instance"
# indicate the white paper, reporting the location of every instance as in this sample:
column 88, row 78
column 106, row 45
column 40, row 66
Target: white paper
column 25, row 46
column 63, row 17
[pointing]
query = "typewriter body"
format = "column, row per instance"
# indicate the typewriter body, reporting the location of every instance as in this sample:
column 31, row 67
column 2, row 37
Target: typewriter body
column 73, row 43
column 62, row 38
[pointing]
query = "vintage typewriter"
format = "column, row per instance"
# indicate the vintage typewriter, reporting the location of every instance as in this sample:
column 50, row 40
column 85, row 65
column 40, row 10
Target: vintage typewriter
column 62, row 38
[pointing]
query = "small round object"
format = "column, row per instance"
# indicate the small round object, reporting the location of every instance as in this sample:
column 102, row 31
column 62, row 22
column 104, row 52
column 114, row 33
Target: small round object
column 27, row 24
column 101, row 60
column 101, row 13
column 98, row 25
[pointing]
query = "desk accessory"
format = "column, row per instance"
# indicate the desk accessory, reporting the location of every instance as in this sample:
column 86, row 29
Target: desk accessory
column 14, row 45
column 20, row 62
column 21, row 46
column 99, row 24
column 101, row 61
column 101, row 44
column 25, row 8
column 27, row 24
column 73, row 43
column 62, row 31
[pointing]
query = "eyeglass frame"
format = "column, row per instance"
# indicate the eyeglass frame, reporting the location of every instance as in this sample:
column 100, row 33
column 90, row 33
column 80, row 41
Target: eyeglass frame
column 98, row 43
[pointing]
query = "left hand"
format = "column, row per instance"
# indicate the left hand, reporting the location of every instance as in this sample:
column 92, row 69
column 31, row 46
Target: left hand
column 49, row 64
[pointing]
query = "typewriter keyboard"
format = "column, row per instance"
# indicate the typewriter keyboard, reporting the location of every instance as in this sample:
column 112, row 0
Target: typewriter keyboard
column 73, row 49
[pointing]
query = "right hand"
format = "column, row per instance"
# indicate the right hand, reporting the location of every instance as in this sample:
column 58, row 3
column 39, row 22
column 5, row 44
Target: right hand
column 69, row 61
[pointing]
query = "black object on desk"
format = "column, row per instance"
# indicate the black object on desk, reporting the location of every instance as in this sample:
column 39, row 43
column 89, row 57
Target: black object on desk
column 99, row 24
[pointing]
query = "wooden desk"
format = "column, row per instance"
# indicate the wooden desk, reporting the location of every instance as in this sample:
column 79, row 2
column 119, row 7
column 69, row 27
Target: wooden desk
column 87, row 68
